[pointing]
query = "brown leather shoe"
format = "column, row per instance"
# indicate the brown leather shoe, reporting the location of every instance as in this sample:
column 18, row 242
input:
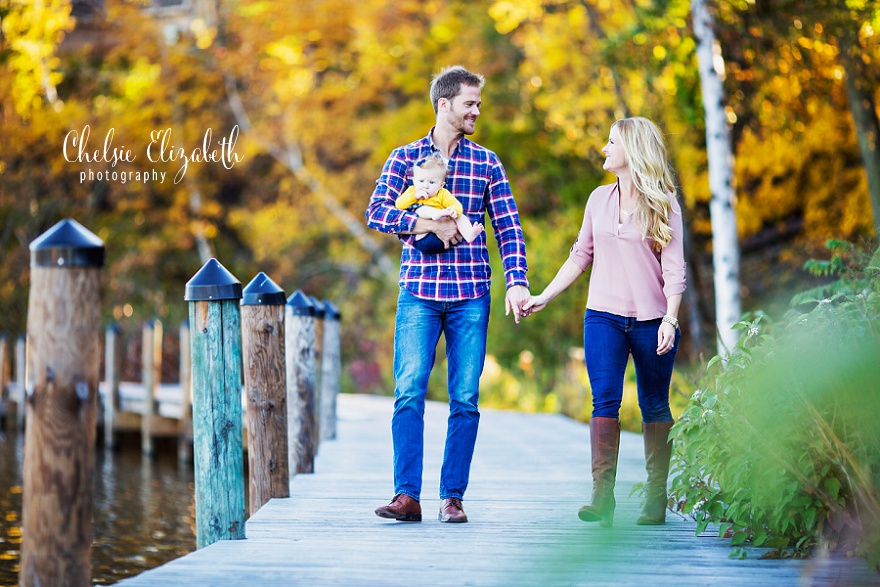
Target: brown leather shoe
column 451, row 511
column 402, row 508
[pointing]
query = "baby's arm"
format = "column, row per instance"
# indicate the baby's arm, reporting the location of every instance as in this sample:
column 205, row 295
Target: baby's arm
column 434, row 213
column 406, row 199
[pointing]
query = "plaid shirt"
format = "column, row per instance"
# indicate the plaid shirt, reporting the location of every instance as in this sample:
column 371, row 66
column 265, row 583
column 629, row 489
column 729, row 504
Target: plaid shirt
column 477, row 179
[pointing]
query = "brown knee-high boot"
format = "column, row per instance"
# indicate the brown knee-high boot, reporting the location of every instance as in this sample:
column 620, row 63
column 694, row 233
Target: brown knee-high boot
column 604, row 447
column 658, row 450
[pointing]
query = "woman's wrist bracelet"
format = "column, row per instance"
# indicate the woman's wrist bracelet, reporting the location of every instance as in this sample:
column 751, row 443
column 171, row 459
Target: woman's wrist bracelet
column 671, row 320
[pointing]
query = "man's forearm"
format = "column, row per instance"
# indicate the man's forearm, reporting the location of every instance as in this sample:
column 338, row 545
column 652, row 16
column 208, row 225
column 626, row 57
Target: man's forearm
column 445, row 229
column 424, row 226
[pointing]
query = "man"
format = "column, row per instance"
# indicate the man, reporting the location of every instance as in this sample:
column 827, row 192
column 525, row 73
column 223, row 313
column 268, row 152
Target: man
column 447, row 292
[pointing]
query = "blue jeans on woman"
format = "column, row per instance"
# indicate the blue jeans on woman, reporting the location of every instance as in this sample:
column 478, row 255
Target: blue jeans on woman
column 418, row 326
column 609, row 339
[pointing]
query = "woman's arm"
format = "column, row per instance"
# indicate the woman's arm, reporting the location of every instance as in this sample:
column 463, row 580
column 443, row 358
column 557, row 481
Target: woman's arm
column 666, row 333
column 566, row 275
column 580, row 257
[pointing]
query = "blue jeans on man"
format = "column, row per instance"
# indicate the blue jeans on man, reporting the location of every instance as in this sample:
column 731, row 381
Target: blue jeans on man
column 419, row 324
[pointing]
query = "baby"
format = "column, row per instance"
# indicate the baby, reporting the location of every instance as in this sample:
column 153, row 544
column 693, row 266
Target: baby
column 430, row 199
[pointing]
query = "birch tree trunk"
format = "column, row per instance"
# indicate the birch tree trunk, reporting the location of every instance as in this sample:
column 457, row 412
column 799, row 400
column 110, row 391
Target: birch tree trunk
column 725, row 246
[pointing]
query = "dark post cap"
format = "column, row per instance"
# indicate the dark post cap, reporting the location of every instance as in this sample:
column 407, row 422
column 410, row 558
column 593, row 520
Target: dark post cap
column 262, row 291
column 331, row 310
column 300, row 304
column 319, row 307
column 114, row 327
column 67, row 244
column 213, row 282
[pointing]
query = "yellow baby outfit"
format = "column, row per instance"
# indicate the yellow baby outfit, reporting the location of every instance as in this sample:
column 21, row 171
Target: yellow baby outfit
column 442, row 199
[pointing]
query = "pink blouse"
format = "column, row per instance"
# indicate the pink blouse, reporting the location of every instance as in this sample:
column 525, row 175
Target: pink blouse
column 629, row 278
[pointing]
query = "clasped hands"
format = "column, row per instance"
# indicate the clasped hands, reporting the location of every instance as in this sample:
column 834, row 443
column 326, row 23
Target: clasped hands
column 520, row 301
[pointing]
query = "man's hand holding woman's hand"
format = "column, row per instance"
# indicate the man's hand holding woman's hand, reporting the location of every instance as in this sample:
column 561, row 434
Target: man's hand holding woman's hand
column 523, row 304
column 516, row 297
column 535, row 304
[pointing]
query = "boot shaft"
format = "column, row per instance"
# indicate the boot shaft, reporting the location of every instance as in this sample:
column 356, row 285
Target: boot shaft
column 658, row 452
column 604, row 449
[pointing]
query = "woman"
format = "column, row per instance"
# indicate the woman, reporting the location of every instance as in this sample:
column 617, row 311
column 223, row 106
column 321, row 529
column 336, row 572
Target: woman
column 632, row 236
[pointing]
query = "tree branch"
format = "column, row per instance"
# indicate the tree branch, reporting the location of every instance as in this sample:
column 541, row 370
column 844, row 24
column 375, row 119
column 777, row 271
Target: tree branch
column 291, row 157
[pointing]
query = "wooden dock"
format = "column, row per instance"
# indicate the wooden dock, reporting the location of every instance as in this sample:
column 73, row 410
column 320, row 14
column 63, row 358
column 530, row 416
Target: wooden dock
column 529, row 476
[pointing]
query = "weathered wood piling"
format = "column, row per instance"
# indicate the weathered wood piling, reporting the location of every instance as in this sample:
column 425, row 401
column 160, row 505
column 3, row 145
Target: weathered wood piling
column 20, row 378
column 4, row 372
column 112, row 365
column 61, row 398
column 184, row 433
column 300, row 358
column 331, row 368
column 265, row 384
column 319, row 357
column 151, row 354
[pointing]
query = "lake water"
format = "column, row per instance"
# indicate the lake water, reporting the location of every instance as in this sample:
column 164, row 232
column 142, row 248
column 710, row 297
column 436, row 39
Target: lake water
column 144, row 510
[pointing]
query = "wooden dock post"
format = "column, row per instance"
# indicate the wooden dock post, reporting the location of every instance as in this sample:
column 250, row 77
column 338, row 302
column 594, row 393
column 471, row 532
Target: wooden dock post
column 185, row 430
column 331, row 368
column 151, row 376
column 215, row 341
column 4, row 377
column 112, row 364
column 20, row 379
column 300, row 358
column 4, row 361
column 265, row 383
column 319, row 358
column 59, row 462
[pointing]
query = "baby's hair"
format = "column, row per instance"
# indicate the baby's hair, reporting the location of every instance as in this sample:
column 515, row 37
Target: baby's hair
column 432, row 162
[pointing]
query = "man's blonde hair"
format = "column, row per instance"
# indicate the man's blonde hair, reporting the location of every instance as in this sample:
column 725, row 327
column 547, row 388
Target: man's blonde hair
column 646, row 155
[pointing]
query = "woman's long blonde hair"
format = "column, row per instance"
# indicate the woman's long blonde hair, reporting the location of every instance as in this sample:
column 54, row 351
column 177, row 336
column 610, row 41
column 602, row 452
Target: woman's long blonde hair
column 646, row 155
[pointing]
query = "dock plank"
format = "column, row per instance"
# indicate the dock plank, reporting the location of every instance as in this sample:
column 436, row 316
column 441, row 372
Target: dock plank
column 530, row 474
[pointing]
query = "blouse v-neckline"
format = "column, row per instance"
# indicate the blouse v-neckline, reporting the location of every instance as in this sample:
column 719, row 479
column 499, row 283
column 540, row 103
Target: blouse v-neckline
column 618, row 209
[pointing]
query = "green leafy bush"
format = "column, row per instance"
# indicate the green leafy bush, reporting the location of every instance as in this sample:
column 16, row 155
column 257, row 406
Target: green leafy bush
column 780, row 445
